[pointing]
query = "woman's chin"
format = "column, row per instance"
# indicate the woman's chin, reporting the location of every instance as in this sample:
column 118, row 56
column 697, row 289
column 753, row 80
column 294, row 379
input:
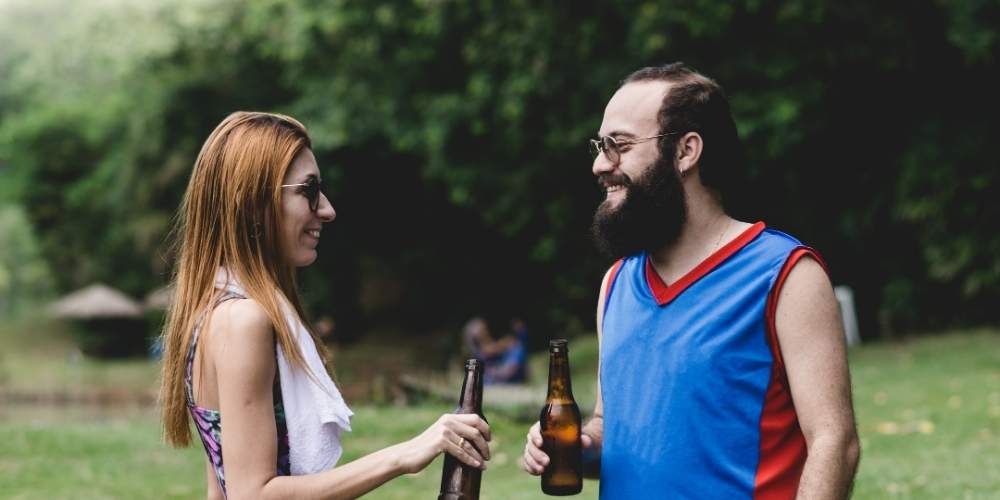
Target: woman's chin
column 304, row 258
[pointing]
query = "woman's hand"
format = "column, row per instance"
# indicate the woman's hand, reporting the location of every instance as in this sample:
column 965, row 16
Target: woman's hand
column 465, row 437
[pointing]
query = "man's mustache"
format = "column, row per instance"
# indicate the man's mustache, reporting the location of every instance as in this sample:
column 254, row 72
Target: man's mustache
column 608, row 180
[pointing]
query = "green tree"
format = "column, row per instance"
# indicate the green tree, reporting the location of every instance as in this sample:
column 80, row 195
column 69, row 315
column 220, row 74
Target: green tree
column 454, row 135
column 24, row 275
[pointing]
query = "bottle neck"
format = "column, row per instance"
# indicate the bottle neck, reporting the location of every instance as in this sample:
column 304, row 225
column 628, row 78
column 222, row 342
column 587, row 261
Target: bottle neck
column 471, row 400
column 560, row 388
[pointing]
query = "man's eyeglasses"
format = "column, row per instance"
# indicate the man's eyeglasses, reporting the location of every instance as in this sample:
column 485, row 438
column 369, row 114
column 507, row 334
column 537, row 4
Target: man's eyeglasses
column 311, row 188
column 612, row 147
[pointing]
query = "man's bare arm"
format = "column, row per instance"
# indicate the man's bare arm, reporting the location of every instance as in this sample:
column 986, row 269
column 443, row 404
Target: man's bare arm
column 594, row 428
column 535, row 460
column 814, row 352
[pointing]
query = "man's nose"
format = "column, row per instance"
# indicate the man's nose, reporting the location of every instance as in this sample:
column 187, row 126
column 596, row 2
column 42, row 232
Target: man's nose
column 602, row 165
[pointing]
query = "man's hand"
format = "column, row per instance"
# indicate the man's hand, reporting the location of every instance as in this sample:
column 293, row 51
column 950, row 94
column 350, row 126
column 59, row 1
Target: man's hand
column 535, row 460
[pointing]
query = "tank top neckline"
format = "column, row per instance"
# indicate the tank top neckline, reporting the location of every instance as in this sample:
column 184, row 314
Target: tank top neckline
column 664, row 293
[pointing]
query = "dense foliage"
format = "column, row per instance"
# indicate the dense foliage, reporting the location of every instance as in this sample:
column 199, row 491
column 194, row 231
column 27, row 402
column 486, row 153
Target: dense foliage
column 454, row 132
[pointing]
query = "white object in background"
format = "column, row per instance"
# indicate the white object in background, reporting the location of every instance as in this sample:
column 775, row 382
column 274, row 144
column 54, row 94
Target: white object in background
column 845, row 299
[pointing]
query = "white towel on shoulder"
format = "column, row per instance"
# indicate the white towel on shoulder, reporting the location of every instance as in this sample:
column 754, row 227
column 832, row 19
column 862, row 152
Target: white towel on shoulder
column 315, row 413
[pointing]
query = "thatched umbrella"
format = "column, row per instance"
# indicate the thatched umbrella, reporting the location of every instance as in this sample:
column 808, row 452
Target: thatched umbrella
column 108, row 322
column 159, row 299
column 96, row 301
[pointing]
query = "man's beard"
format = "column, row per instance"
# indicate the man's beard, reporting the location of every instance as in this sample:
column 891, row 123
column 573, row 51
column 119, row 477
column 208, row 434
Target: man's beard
column 649, row 217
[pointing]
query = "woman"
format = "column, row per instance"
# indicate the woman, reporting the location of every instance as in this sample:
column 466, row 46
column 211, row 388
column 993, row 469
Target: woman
column 240, row 359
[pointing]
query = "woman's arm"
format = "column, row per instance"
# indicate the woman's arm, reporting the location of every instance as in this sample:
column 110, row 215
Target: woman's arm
column 213, row 491
column 242, row 347
column 371, row 471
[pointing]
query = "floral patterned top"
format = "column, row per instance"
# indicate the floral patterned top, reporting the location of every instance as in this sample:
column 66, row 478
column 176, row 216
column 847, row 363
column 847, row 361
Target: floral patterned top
column 209, row 422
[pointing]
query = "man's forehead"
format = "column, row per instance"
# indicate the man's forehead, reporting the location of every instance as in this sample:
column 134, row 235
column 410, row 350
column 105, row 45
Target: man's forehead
column 634, row 107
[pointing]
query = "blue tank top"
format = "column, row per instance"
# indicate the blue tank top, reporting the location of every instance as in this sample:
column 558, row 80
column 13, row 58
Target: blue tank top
column 696, row 402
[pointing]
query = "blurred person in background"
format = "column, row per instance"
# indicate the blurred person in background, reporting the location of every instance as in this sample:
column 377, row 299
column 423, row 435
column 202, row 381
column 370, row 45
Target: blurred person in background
column 241, row 360
column 505, row 359
column 722, row 368
column 325, row 326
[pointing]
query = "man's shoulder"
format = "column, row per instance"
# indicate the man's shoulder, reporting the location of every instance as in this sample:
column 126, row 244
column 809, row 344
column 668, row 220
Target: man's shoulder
column 775, row 245
column 616, row 266
column 777, row 237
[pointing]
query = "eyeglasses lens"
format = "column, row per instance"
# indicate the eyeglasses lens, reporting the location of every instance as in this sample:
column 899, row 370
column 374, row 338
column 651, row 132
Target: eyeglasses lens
column 610, row 148
column 312, row 194
column 595, row 148
column 606, row 145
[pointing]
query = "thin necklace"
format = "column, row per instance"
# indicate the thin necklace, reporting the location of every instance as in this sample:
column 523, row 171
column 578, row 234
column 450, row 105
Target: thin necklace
column 723, row 233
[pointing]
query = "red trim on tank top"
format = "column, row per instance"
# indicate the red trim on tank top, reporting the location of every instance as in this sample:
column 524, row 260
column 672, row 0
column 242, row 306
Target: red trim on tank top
column 782, row 445
column 664, row 293
column 611, row 280
column 772, row 298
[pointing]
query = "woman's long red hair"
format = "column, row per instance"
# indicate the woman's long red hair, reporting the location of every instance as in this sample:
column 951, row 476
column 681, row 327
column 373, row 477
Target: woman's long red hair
column 230, row 218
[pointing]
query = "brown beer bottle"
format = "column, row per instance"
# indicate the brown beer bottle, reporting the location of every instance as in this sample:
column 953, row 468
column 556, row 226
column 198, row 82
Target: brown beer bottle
column 560, row 426
column 460, row 481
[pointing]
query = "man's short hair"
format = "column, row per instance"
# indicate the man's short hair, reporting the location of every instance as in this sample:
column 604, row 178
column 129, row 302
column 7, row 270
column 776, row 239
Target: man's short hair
column 696, row 103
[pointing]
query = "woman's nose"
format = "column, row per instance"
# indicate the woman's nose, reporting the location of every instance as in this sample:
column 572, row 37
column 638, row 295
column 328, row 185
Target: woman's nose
column 325, row 211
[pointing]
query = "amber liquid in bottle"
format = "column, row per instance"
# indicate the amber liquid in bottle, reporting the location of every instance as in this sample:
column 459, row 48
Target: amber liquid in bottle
column 561, row 427
column 460, row 481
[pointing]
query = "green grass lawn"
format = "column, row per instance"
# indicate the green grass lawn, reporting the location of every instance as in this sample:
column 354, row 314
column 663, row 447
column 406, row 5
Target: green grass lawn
column 40, row 358
column 928, row 412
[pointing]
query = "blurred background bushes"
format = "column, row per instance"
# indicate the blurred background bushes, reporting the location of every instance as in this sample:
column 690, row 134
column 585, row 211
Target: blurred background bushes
column 453, row 137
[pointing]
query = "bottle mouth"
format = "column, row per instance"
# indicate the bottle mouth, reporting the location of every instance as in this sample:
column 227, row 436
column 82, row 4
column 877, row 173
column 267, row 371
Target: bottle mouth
column 558, row 345
column 472, row 363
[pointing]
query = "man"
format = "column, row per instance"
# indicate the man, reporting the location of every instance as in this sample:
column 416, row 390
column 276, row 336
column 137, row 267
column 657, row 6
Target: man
column 505, row 358
column 723, row 369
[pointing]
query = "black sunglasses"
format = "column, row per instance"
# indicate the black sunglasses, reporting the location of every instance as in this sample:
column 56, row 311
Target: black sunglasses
column 311, row 188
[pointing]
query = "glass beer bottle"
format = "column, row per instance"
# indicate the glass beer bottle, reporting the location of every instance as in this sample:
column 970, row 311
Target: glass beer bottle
column 560, row 426
column 460, row 481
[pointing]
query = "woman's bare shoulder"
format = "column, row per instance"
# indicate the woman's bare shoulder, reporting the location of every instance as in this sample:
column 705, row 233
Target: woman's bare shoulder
column 241, row 331
column 242, row 353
